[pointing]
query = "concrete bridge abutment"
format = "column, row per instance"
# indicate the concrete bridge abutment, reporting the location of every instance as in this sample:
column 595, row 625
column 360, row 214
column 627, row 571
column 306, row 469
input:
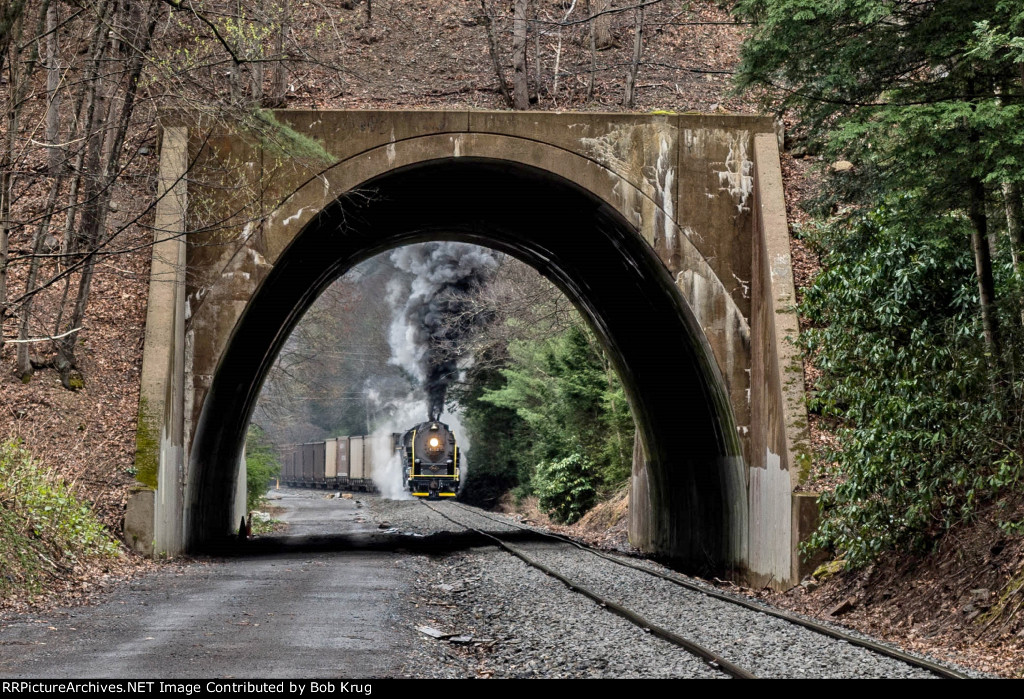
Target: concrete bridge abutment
column 667, row 231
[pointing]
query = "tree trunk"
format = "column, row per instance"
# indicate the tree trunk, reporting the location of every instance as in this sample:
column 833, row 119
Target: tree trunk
column 93, row 218
column 236, row 86
column 98, row 189
column 54, row 152
column 19, row 80
column 630, row 97
column 235, row 92
column 1014, row 222
column 983, row 269
column 535, row 94
column 495, row 53
column 256, row 82
column 122, row 18
column 520, row 86
column 10, row 15
column 5, row 236
column 82, row 115
column 601, row 26
column 1015, row 231
column 12, row 33
column 593, row 51
column 279, row 72
column 25, row 312
column 6, row 187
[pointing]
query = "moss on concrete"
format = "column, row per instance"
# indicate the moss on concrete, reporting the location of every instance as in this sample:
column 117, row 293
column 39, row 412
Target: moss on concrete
column 803, row 463
column 147, row 447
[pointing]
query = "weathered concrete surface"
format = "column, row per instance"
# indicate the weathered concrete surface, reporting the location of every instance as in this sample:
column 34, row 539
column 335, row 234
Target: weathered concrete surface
column 139, row 519
column 806, row 517
column 779, row 415
column 165, row 400
column 159, row 458
column 685, row 184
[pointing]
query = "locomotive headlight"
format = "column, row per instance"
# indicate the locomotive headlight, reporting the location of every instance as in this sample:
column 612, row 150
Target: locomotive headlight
column 434, row 442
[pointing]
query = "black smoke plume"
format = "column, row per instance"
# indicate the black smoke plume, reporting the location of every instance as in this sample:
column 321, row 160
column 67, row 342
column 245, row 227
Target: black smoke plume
column 432, row 313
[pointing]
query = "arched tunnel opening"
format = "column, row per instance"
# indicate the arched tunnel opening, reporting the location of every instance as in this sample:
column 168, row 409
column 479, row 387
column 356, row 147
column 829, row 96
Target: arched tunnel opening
column 586, row 248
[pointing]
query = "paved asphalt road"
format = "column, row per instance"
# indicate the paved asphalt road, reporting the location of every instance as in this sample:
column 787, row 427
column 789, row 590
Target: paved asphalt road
column 291, row 614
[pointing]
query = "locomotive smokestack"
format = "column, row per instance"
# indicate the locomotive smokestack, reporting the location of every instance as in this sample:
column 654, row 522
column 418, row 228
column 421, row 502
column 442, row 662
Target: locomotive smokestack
column 430, row 315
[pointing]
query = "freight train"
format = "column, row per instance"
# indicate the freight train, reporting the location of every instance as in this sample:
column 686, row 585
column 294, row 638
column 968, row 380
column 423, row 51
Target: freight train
column 342, row 463
column 429, row 453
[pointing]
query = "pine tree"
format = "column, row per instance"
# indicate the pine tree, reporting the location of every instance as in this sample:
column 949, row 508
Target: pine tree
column 919, row 97
column 915, row 317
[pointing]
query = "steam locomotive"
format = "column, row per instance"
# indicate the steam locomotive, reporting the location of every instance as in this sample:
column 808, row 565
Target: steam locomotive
column 430, row 461
column 428, row 451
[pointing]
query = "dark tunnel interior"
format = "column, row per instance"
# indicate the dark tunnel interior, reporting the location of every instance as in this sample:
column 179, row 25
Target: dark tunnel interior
column 568, row 234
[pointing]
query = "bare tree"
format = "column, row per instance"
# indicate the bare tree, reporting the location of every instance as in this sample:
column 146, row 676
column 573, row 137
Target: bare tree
column 601, row 26
column 107, row 128
column 630, row 97
column 520, row 87
column 53, row 93
column 66, row 147
column 20, row 70
column 279, row 71
column 492, row 42
column 593, row 58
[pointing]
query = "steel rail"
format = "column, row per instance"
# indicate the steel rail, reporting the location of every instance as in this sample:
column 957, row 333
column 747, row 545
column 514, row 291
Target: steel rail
column 713, row 659
column 818, row 627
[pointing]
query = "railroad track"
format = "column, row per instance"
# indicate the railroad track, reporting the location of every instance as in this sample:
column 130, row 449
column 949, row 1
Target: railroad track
column 711, row 657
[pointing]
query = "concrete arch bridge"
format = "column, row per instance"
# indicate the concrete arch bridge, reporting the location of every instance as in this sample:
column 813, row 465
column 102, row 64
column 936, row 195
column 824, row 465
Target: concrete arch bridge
column 667, row 231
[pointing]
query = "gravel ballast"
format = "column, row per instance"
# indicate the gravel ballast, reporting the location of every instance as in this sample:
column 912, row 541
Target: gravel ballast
column 540, row 628
column 509, row 620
